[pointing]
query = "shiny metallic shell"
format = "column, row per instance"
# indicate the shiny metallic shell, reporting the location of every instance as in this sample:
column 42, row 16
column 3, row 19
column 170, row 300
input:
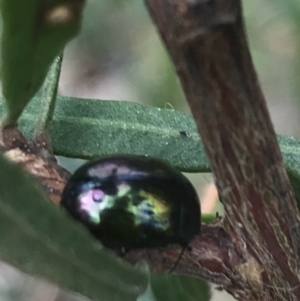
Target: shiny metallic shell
column 131, row 201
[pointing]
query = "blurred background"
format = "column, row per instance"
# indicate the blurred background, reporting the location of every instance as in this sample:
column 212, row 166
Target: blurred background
column 119, row 56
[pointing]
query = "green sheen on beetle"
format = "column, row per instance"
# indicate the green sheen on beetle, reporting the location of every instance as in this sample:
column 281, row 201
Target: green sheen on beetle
column 131, row 201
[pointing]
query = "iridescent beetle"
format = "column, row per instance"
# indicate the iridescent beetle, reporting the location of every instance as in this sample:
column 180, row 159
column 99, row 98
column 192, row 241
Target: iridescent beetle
column 131, row 201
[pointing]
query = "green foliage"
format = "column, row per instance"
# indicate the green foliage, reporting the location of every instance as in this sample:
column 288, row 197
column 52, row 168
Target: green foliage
column 290, row 149
column 207, row 218
column 171, row 287
column 34, row 33
column 87, row 129
column 39, row 238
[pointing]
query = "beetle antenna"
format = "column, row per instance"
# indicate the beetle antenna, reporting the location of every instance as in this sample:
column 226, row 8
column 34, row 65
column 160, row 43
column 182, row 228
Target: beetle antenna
column 178, row 259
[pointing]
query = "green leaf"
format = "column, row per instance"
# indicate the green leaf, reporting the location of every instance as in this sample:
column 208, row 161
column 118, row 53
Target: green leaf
column 34, row 33
column 178, row 288
column 84, row 128
column 290, row 149
column 208, row 217
column 40, row 238
column 87, row 129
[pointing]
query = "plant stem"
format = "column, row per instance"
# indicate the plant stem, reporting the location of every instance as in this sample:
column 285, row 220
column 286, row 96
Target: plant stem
column 48, row 98
column 208, row 45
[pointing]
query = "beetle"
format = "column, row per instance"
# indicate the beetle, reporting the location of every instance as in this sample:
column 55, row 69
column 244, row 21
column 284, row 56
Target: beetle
column 133, row 201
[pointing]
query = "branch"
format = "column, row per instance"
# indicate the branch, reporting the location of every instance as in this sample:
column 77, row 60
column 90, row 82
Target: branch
column 207, row 44
column 36, row 159
column 212, row 256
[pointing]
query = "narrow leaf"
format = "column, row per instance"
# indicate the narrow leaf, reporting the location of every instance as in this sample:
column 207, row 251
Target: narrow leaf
column 84, row 128
column 87, row 129
column 34, row 33
column 40, row 238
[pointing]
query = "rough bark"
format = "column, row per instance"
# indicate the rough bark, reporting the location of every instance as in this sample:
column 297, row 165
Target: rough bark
column 37, row 158
column 207, row 43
